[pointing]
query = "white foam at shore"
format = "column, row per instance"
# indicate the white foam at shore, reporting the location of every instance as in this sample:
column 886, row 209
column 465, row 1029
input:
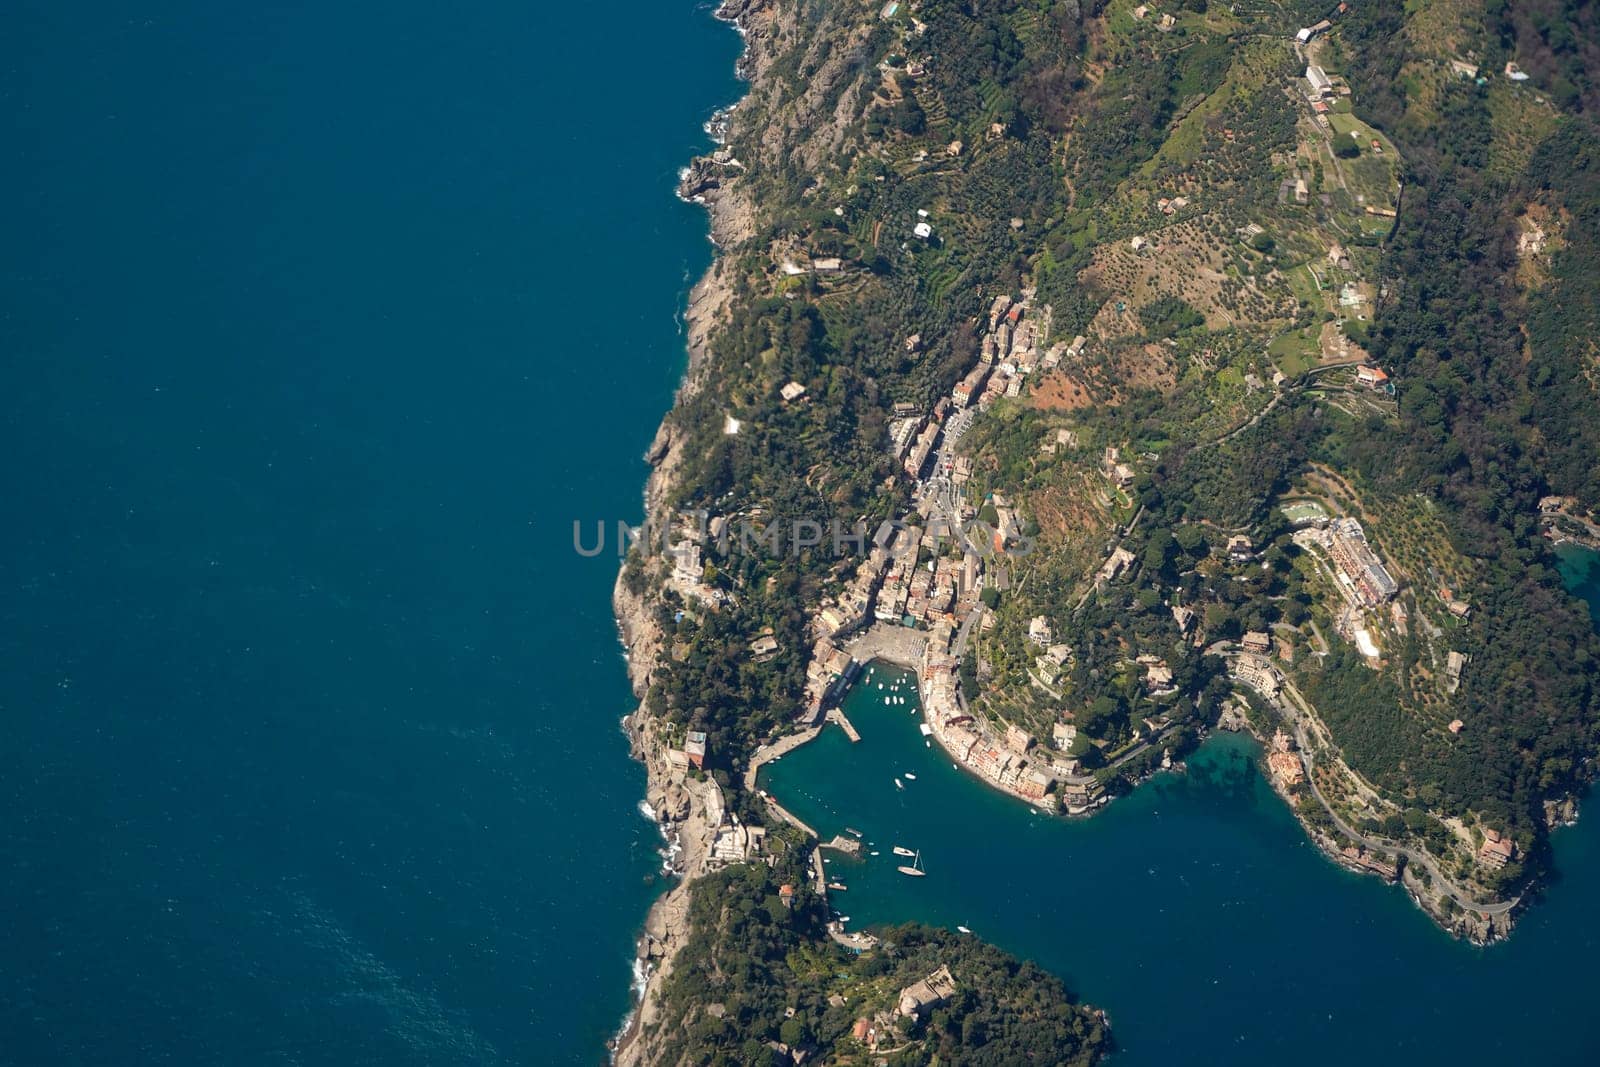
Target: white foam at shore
column 638, row 986
column 641, row 979
column 642, row 969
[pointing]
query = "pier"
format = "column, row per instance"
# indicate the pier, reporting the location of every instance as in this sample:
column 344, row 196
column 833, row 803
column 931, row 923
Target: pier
column 767, row 753
column 789, row 817
column 836, row 715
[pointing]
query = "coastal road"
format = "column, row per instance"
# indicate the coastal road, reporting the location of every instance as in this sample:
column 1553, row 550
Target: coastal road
column 1421, row 859
column 789, row 817
column 1590, row 528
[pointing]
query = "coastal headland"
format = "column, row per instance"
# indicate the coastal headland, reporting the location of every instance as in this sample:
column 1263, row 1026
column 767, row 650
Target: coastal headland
column 692, row 811
column 1104, row 437
column 680, row 809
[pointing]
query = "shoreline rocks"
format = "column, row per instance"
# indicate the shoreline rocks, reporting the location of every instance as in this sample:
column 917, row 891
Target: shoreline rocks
column 678, row 810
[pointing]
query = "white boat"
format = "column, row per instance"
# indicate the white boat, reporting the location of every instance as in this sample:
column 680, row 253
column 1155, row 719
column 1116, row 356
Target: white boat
column 898, row 851
column 915, row 869
column 910, row 777
column 927, row 744
column 898, row 784
column 872, row 853
column 963, row 929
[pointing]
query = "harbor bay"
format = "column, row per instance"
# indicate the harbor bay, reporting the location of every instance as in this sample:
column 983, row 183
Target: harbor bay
column 1195, row 911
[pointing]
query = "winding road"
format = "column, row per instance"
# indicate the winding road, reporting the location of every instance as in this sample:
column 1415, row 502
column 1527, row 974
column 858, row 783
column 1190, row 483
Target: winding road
column 1303, row 711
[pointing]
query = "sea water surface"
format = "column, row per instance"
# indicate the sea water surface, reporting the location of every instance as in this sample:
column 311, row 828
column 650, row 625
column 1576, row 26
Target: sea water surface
column 320, row 324
column 1196, row 912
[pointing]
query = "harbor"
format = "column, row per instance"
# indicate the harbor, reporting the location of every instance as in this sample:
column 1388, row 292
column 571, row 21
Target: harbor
column 1084, row 897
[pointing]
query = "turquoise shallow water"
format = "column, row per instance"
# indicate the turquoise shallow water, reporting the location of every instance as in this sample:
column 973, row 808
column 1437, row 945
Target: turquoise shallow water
column 321, row 323
column 1196, row 912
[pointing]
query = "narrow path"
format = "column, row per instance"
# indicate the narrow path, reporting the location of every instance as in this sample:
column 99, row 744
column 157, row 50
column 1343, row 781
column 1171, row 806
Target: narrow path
column 1321, row 368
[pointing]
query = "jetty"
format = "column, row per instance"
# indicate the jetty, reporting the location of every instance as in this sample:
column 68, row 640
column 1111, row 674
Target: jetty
column 789, row 817
column 837, row 716
column 767, row 753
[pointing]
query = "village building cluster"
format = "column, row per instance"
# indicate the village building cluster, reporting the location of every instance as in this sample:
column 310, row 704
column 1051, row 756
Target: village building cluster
column 1008, row 352
column 1011, row 760
column 911, row 577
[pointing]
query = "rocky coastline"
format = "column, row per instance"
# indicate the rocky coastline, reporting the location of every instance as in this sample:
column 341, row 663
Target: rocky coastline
column 679, row 811
column 714, row 181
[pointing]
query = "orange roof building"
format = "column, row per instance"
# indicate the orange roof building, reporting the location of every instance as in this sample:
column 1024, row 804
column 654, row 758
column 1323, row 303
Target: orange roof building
column 1497, row 849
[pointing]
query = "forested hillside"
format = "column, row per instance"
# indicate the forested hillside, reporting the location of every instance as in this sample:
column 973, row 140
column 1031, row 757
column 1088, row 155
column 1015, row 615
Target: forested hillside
column 1314, row 291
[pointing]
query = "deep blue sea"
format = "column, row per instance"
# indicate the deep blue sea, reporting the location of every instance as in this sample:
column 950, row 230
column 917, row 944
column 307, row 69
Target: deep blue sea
column 320, row 323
